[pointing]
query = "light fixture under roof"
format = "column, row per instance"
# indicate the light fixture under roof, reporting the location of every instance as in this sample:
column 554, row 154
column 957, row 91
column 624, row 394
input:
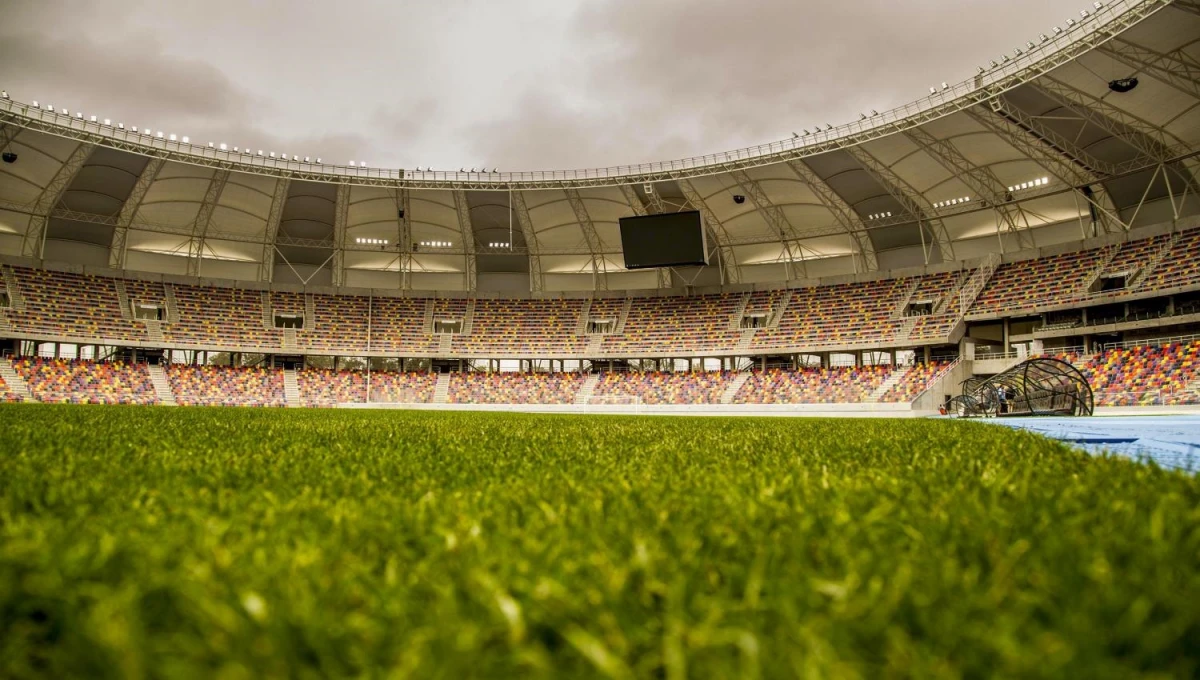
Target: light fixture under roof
column 371, row 241
column 498, row 244
column 952, row 201
column 879, row 215
column 1031, row 184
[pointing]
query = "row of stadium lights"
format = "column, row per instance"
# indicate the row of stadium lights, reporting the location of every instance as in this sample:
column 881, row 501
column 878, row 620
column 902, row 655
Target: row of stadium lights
column 862, row 116
column 1039, row 182
column 952, row 201
column 436, row 244
column 499, row 244
column 371, row 241
column 1029, row 44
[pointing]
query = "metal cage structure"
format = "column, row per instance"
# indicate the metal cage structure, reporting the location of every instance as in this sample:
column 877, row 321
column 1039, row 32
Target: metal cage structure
column 1042, row 386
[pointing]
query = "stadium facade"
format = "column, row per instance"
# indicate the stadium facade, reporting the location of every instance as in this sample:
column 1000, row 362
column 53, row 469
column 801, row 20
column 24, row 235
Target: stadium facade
column 1049, row 201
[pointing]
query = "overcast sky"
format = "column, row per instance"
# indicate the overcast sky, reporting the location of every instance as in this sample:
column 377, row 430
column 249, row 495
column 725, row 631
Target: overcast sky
column 528, row 84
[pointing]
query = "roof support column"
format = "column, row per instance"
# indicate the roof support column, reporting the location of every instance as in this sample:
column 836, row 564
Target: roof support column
column 266, row 268
column 341, row 213
column 118, row 250
column 468, row 239
column 33, row 243
column 203, row 220
column 913, row 201
column 599, row 264
column 730, row 268
column 537, row 279
column 842, row 212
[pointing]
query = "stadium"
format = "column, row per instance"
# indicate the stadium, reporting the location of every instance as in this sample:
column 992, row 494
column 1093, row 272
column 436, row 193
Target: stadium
column 467, row 473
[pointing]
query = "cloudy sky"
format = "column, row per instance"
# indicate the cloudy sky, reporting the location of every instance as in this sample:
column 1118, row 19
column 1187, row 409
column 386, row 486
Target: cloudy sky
column 518, row 84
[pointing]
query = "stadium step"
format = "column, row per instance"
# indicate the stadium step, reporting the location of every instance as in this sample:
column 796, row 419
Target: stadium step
column 428, row 322
column 5, row 326
column 15, row 299
column 624, row 316
column 468, row 317
column 979, row 279
column 585, row 313
column 735, row 320
column 310, row 311
column 162, row 386
column 898, row 313
column 441, row 392
column 172, row 304
column 16, row 384
column 1145, row 272
column 891, row 381
column 745, row 339
column 291, row 388
column 904, row 331
column 268, row 319
column 594, row 344
column 123, row 300
column 289, row 340
column 587, row 388
column 153, row 330
column 445, row 344
column 734, row 385
column 780, row 310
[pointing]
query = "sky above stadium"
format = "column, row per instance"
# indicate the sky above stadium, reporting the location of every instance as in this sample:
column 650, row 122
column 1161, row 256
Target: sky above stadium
column 516, row 85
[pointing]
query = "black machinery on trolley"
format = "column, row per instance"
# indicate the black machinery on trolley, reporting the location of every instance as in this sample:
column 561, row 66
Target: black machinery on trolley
column 1035, row 387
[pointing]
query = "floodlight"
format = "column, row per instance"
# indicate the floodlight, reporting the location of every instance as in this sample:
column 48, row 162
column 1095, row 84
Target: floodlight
column 874, row 112
column 318, row 160
column 933, row 90
column 120, row 126
column 1084, row 13
column 271, row 154
column 981, row 69
column 945, row 86
column 223, row 147
column 93, row 119
column 1029, row 44
column 1043, row 37
column 35, row 104
column 352, row 164
column 994, row 64
column 66, row 112
column 474, row 170
column 171, row 136
column 3, row 94
column 79, row 115
column 260, row 152
column 160, row 134
column 108, row 121
column 1057, row 30
column 306, row 159
column 1070, row 23
column 1097, row 5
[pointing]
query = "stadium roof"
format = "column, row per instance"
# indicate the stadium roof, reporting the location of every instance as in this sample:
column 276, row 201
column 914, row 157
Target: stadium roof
column 1037, row 150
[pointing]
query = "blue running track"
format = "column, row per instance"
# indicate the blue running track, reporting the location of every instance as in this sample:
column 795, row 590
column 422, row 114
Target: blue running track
column 1170, row 441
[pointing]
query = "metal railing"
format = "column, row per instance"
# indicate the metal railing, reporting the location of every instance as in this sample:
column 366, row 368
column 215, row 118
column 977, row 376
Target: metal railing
column 1051, row 50
column 1165, row 340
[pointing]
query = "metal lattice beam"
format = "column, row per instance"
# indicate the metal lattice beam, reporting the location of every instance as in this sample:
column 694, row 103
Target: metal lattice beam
column 33, row 243
column 537, row 279
column 599, row 263
column 8, row 132
column 468, row 239
column 1151, row 140
column 266, row 268
column 980, row 180
column 914, row 202
column 404, row 203
column 200, row 226
column 341, row 214
column 729, row 263
column 774, row 217
column 845, row 216
column 1049, row 153
column 129, row 209
column 631, row 197
column 1177, row 69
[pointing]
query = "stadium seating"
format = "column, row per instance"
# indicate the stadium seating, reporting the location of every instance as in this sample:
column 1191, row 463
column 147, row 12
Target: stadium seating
column 844, row 314
column 1038, row 282
column 916, row 380
column 522, row 327
column 665, row 388
column 398, row 324
column 660, row 326
column 220, row 317
column 320, row 387
column 1178, row 267
column 1144, row 374
column 841, row 385
column 514, row 388
column 226, row 385
column 70, row 381
column 402, row 388
column 70, row 305
column 339, row 324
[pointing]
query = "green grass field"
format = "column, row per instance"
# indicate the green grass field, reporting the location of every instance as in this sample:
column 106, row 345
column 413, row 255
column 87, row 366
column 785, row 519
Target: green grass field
column 155, row 542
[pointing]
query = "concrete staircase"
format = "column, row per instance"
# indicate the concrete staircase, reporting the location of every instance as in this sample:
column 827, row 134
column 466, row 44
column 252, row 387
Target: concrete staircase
column 898, row 312
column 16, row 384
column 445, row 344
column 172, row 310
column 778, row 312
column 624, row 317
column 289, row 340
column 745, row 339
column 735, row 319
column 162, row 386
column 944, row 305
column 153, row 330
column 291, row 388
column 123, row 300
column 310, row 311
column 595, row 342
column 1152, row 264
column 731, row 390
column 469, row 317
column 587, row 389
column 891, row 381
column 584, row 316
column 5, row 326
column 974, row 285
column 441, row 392
column 904, row 332
column 267, row 318
column 428, row 321
column 15, row 299
column 1101, row 267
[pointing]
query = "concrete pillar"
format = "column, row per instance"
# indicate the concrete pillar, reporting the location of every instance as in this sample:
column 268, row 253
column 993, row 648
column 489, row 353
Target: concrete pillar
column 1006, row 346
column 928, row 354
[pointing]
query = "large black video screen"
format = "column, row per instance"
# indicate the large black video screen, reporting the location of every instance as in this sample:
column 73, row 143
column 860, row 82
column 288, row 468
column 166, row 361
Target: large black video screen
column 666, row 240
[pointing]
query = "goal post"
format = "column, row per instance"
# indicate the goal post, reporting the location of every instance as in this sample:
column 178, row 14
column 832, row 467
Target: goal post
column 613, row 403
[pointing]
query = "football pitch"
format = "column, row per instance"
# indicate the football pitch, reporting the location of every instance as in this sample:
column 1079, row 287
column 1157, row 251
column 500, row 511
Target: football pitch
column 190, row 542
